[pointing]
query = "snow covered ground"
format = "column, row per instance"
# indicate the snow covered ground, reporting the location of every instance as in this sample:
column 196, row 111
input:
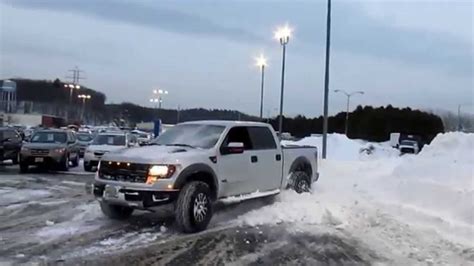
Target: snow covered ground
column 414, row 209
column 370, row 205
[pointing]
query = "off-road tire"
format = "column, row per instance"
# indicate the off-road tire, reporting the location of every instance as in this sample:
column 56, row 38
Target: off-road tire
column 115, row 212
column 185, row 207
column 300, row 182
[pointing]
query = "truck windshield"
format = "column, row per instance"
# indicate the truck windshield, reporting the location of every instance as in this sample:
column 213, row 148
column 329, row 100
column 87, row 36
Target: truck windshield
column 116, row 140
column 193, row 135
column 49, row 137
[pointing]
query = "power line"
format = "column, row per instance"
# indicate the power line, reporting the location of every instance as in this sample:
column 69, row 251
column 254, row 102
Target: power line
column 76, row 75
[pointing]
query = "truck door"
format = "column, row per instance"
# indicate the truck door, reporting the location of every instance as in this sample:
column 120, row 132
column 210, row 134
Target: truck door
column 267, row 169
column 235, row 169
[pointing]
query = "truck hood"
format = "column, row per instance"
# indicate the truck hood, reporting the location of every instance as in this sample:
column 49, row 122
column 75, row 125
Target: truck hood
column 105, row 148
column 44, row 145
column 155, row 154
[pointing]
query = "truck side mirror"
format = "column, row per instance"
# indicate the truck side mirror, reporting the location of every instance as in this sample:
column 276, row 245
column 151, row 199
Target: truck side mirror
column 233, row 148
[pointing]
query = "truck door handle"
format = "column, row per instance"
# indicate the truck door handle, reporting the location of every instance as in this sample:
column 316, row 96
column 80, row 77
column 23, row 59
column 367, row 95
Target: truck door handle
column 254, row 159
column 278, row 157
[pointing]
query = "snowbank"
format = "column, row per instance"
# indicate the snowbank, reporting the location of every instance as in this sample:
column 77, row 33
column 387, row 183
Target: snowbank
column 439, row 180
column 339, row 147
column 432, row 192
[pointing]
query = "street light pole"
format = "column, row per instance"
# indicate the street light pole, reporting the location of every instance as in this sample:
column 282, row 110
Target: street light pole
column 84, row 97
column 348, row 95
column 157, row 98
column 261, row 63
column 283, row 35
column 71, row 88
column 326, row 81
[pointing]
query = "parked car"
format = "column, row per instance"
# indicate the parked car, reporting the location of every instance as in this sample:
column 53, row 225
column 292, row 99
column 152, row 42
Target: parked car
column 143, row 138
column 84, row 139
column 196, row 163
column 104, row 143
column 408, row 146
column 10, row 144
column 50, row 147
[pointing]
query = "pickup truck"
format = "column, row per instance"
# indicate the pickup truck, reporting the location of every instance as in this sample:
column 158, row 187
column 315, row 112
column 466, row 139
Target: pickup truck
column 194, row 164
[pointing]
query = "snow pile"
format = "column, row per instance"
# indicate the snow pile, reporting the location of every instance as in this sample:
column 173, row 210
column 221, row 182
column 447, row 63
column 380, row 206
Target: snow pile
column 342, row 148
column 452, row 146
column 423, row 201
column 439, row 180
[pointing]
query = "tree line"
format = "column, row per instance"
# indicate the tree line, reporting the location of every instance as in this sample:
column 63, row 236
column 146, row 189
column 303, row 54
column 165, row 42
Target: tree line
column 369, row 123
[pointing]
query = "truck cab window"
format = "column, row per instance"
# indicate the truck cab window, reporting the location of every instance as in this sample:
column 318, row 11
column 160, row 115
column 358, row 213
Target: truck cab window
column 262, row 138
column 239, row 134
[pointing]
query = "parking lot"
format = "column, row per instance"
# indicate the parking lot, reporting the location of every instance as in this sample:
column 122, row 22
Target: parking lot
column 47, row 217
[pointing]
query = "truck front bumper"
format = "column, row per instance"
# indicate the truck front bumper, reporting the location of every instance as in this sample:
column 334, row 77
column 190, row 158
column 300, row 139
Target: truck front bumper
column 132, row 197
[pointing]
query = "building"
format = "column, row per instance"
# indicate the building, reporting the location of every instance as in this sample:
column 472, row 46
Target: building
column 8, row 99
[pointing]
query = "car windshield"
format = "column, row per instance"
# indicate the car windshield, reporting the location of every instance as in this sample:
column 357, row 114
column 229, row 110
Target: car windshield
column 408, row 142
column 117, row 140
column 84, row 137
column 193, row 135
column 49, row 137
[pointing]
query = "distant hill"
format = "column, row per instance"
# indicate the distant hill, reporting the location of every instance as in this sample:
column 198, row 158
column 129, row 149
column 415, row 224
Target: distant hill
column 48, row 91
column 136, row 113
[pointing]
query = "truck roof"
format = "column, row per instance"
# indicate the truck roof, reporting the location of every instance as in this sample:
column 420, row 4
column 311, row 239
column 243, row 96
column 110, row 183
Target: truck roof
column 227, row 123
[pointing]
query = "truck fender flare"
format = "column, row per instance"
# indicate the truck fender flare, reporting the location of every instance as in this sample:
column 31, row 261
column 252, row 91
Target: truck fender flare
column 196, row 169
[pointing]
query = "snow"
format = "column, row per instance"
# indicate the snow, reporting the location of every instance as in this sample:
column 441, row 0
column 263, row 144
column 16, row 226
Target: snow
column 9, row 196
column 413, row 206
column 343, row 149
column 84, row 220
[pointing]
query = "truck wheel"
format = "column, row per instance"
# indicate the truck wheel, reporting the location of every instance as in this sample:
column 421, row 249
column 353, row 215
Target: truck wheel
column 23, row 168
column 300, row 182
column 115, row 212
column 194, row 207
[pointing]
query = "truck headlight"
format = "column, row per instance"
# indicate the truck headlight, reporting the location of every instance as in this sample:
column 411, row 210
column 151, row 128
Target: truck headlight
column 159, row 171
column 24, row 149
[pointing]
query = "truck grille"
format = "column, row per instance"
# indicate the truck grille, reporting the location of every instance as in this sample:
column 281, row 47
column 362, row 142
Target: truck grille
column 125, row 172
column 39, row 152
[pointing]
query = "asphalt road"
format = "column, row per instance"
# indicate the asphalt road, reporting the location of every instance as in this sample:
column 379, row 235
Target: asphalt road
column 47, row 218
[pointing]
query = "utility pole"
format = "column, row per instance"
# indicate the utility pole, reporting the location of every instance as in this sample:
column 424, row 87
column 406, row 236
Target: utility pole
column 348, row 95
column 177, row 114
column 76, row 75
column 326, row 81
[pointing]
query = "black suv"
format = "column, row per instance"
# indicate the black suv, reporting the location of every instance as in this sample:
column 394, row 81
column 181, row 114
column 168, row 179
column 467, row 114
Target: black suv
column 10, row 144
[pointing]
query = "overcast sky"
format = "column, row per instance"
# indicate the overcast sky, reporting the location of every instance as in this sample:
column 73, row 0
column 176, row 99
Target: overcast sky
column 406, row 53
